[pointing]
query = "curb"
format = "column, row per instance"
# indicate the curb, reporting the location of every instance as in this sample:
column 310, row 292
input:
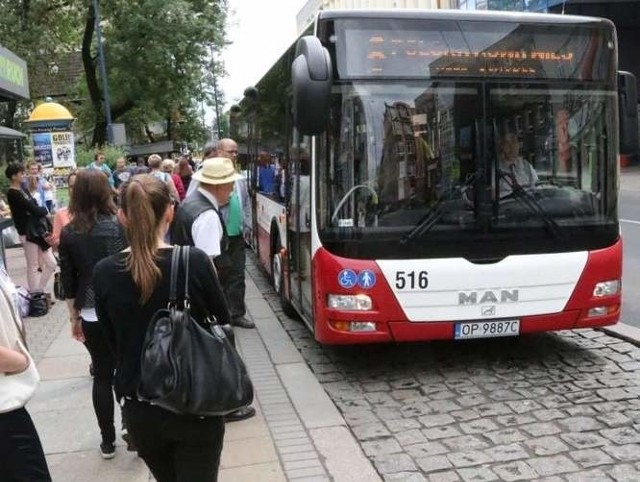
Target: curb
column 623, row 331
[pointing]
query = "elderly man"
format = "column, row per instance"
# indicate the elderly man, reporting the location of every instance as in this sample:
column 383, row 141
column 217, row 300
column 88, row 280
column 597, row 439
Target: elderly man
column 199, row 222
column 237, row 217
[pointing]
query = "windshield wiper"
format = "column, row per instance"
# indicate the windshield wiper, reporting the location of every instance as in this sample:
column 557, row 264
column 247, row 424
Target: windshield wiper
column 531, row 203
column 432, row 216
column 436, row 211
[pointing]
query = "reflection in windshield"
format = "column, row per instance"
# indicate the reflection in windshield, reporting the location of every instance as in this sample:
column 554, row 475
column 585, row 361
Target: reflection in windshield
column 399, row 152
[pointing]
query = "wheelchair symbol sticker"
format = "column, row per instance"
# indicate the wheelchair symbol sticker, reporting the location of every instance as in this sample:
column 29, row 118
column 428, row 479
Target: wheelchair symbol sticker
column 366, row 279
column 347, row 278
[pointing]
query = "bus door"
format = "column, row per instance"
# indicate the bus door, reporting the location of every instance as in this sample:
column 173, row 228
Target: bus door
column 299, row 228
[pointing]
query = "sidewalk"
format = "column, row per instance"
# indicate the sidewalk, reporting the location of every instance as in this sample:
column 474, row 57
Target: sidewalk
column 630, row 178
column 297, row 434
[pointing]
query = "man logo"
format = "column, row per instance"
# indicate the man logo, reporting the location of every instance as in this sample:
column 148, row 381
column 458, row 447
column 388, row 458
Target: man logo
column 488, row 310
column 489, row 296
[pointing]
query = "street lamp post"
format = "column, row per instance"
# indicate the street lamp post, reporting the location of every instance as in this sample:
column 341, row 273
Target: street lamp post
column 103, row 72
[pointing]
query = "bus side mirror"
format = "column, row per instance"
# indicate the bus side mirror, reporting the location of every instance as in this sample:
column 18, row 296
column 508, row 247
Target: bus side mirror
column 628, row 112
column 311, row 75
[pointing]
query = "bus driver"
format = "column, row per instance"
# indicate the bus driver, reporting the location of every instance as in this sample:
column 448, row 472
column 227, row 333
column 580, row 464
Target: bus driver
column 513, row 168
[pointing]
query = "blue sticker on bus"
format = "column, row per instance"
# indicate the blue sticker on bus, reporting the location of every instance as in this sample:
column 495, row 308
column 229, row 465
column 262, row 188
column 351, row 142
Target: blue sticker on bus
column 366, row 279
column 347, row 278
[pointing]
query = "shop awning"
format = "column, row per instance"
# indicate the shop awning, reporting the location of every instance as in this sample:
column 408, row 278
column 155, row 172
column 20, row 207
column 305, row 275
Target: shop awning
column 6, row 133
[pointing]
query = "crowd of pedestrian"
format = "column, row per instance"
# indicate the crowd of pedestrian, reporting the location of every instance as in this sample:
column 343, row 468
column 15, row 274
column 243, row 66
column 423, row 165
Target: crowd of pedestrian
column 114, row 243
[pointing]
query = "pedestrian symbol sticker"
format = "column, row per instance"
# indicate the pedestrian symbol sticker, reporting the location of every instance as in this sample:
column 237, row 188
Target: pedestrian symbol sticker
column 366, row 279
column 347, row 278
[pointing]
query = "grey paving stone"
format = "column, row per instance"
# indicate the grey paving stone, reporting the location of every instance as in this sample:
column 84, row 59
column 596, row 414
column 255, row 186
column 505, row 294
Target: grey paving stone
column 381, row 447
column 595, row 475
column 625, row 473
column 580, row 424
column 465, row 415
column 436, row 420
column 514, row 471
column 505, row 436
column 405, row 477
column 434, row 463
column 443, row 406
column 591, row 457
column 583, row 440
column 393, row 463
column 624, row 453
column 547, row 415
column 514, row 420
column 554, row 465
column 477, row 474
column 437, row 433
column 426, row 449
column 370, row 431
column 540, row 429
column 546, row 445
column 448, row 476
column 410, row 437
column 468, row 458
column 622, row 435
column 465, row 442
column 478, row 426
column 506, row 453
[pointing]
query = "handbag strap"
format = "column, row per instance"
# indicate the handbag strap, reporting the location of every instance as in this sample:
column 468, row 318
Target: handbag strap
column 173, row 280
column 185, row 261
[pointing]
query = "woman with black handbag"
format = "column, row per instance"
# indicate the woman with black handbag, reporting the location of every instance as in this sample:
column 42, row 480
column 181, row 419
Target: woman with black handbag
column 130, row 288
column 33, row 226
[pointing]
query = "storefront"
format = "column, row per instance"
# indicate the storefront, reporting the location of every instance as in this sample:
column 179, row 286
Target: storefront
column 14, row 85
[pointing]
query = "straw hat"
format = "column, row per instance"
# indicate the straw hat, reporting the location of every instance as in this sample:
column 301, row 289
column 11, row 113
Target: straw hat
column 217, row 170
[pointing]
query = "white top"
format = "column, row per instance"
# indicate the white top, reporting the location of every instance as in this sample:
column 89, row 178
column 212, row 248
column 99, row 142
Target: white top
column 523, row 172
column 207, row 229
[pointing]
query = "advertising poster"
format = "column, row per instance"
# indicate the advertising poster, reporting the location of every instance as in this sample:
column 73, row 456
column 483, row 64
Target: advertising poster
column 62, row 149
column 42, row 149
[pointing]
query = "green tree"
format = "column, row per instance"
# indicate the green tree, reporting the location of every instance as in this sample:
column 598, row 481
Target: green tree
column 157, row 58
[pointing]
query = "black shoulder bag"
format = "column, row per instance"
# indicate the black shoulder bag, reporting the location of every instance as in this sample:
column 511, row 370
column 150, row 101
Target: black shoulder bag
column 186, row 368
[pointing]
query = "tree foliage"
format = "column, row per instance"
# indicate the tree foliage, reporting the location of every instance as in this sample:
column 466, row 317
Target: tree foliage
column 157, row 57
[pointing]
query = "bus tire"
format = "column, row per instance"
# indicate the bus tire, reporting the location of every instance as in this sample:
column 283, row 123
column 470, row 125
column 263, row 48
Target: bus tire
column 277, row 275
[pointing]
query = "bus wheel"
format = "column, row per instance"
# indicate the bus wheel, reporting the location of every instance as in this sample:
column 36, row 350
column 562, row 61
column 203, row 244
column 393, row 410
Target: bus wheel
column 277, row 273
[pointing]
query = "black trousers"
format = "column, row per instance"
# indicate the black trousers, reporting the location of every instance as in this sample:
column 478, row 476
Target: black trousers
column 21, row 455
column 103, row 369
column 232, row 279
column 176, row 448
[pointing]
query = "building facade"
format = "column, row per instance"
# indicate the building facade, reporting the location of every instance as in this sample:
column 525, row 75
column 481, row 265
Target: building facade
column 308, row 12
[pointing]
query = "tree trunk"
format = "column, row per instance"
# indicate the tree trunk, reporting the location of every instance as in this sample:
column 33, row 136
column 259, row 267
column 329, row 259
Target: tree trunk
column 88, row 61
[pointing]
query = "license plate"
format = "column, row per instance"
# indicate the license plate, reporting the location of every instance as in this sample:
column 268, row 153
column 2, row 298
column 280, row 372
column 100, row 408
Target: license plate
column 486, row 329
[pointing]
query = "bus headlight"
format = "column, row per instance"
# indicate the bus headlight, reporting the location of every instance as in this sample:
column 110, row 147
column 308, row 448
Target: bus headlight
column 349, row 302
column 607, row 288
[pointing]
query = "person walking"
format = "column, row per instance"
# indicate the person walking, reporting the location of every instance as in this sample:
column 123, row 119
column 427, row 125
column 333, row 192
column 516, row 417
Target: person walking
column 41, row 264
column 169, row 167
column 199, row 223
column 130, row 287
column 93, row 234
column 21, row 454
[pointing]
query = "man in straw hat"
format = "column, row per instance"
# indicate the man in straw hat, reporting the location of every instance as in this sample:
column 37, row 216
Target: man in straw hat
column 198, row 222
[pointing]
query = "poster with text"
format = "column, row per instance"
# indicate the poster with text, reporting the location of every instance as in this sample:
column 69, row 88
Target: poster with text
column 62, row 148
column 42, row 149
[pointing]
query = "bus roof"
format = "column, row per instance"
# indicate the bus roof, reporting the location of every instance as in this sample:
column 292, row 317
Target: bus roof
column 470, row 15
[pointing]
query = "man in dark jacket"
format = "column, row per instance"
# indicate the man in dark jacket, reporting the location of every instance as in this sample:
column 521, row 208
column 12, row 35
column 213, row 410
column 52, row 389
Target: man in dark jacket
column 198, row 222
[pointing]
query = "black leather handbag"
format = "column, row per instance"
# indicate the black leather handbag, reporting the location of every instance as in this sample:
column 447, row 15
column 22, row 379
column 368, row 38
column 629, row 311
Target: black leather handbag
column 190, row 368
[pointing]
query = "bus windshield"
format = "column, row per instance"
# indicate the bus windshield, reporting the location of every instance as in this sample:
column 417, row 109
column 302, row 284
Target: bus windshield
column 436, row 168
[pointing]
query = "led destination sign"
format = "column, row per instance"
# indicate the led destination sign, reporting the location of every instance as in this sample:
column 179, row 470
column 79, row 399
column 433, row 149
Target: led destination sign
column 498, row 50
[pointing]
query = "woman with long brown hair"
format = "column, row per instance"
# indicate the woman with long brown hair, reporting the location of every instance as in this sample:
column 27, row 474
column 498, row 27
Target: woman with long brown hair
column 130, row 287
column 93, row 234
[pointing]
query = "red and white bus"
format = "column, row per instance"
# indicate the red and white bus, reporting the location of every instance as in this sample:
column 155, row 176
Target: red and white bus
column 394, row 223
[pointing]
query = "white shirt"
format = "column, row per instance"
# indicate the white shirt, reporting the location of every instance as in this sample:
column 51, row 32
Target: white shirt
column 206, row 230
